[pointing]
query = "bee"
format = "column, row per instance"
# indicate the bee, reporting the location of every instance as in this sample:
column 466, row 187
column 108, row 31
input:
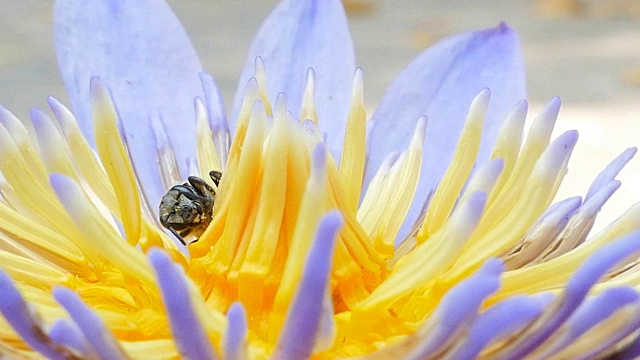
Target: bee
column 187, row 209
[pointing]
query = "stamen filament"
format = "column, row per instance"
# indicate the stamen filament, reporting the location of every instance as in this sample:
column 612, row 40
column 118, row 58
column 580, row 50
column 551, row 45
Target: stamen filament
column 456, row 176
column 308, row 108
column 207, row 155
column 85, row 159
column 531, row 203
column 116, row 160
column 353, row 152
column 167, row 163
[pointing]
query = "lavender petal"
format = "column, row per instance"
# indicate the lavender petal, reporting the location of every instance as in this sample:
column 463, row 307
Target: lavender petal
column 140, row 50
column 302, row 323
column 440, row 84
column 189, row 335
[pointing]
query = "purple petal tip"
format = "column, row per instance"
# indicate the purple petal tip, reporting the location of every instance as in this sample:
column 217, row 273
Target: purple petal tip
column 522, row 106
column 503, row 27
column 64, row 296
column 58, row 181
column 572, row 137
column 319, row 156
column 359, row 73
column 97, row 87
column 493, row 266
column 478, row 198
column 158, row 258
column 281, row 102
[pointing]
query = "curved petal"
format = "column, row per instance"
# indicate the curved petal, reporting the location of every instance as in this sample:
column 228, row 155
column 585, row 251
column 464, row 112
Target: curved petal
column 459, row 307
column 217, row 116
column 148, row 63
column 440, row 84
column 574, row 293
column 91, row 324
column 296, row 36
column 631, row 352
column 66, row 332
column 235, row 344
column 610, row 171
column 591, row 313
column 302, row 324
column 190, row 337
column 24, row 320
column 503, row 318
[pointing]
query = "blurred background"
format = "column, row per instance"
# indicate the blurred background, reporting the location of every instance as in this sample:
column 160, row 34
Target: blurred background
column 585, row 51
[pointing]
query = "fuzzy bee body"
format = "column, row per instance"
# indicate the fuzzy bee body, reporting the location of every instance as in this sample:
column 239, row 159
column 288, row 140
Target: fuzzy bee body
column 187, row 209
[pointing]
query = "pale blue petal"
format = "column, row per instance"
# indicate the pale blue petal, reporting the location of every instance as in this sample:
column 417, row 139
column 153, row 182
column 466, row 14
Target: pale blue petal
column 597, row 309
column 214, row 103
column 631, row 326
column 592, row 311
column 217, row 116
column 576, row 290
column 302, row 34
column 609, row 173
column 302, row 324
column 631, row 352
column 92, row 326
column 24, row 321
column 562, row 209
column 504, row 318
column 236, row 338
column 592, row 205
column 142, row 53
column 67, row 333
column 551, row 224
column 460, row 306
column 187, row 331
column 441, row 83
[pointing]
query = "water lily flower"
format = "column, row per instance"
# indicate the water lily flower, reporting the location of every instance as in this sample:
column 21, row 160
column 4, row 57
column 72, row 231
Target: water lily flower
column 426, row 231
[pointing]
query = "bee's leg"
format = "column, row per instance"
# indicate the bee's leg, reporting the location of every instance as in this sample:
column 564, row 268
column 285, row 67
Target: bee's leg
column 190, row 193
column 200, row 185
column 215, row 176
column 178, row 236
column 187, row 191
column 185, row 233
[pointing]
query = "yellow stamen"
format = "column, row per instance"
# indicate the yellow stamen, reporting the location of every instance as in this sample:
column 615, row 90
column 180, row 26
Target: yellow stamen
column 312, row 206
column 24, row 145
column 353, row 152
column 308, row 108
column 389, row 212
column 454, row 179
column 485, row 178
column 32, row 190
column 56, row 157
column 243, row 190
column 41, row 239
column 507, row 146
column 116, row 161
column 207, row 155
column 99, row 238
column 420, row 267
column 265, row 234
column 32, row 272
column 85, row 159
column 555, row 272
column 167, row 162
column 534, row 199
column 537, row 141
column 261, row 77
